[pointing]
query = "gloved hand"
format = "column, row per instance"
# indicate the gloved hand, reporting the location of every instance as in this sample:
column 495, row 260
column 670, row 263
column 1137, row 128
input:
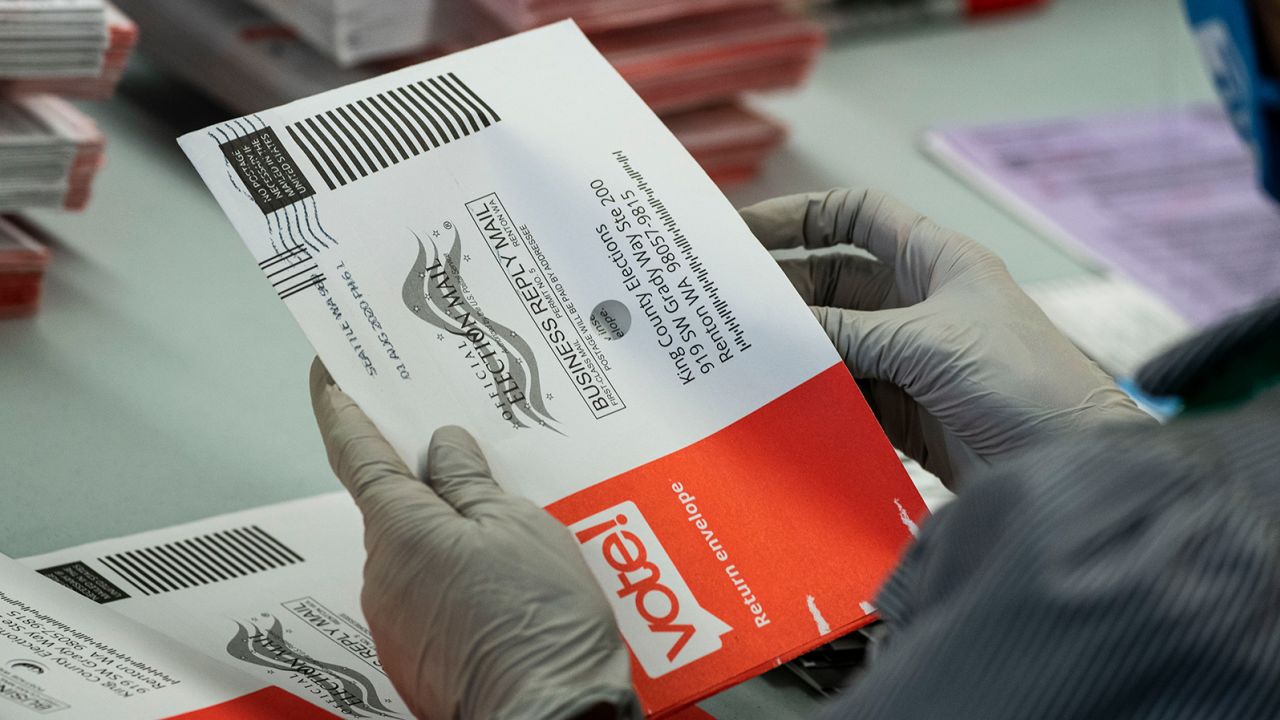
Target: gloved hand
column 480, row 603
column 960, row 367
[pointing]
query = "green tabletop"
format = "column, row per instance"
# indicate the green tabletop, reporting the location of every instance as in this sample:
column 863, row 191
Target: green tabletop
column 163, row 382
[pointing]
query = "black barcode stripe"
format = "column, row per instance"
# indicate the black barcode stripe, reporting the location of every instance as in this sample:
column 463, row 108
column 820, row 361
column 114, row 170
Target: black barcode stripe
column 339, row 135
column 262, row 548
column 271, row 539
column 387, row 109
column 162, row 569
column 140, row 564
column 423, row 87
column 196, row 561
column 128, row 560
column 348, row 133
column 361, row 112
column 294, row 263
column 475, row 97
column 375, row 113
column 298, row 271
column 352, row 114
column 138, row 583
column 354, row 140
column 212, row 563
column 413, row 126
column 303, row 260
column 237, row 547
column 307, row 267
column 308, row 283
column 347, row 175
column 196, row 570
column 428, row 110
column 306, row 150
column 341, row 139
column 457, row 92
column 362, row 142
column 319, row 143
column 283, row 255
column 230, row 565
column 166, row 567
column 234, row 554
column 447, row 95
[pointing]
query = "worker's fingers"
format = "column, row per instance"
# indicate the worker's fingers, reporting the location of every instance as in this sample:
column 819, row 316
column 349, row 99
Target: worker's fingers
column 362, row 458
column 813, row 220
column 923, row 255
column 778, row 223
column 458, row 472
column 844, row 280
column 888, row 345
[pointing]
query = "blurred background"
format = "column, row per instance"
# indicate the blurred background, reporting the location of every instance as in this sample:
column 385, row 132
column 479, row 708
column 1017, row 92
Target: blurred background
column 149, row 377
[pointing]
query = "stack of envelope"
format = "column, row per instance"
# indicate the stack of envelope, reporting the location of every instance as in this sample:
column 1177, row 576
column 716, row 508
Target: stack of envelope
column 74, row 48
column 597, row 15
column 700, row 59
column 708, row 59
column 49, row 153
column 730, row 141
column 350, row 32
column 691, row 60
column 41, row 38
column 22, row 263
column 234, row 53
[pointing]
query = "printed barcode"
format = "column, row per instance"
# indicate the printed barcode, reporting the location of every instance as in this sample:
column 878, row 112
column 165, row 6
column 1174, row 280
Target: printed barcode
column 201, row 560
column 362, row 137
column 291, row 271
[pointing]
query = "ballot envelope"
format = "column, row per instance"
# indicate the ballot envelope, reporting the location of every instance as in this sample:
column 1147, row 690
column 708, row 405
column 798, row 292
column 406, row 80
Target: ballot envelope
column 61, row 655
column 508, row 239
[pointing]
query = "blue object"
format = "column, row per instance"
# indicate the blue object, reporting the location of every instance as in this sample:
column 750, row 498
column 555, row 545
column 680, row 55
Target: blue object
column 1163, row 408
column 1228, row 40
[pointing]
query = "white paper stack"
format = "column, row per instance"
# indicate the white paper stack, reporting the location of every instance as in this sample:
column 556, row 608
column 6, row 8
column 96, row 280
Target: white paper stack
column 355, row 31
column 234, row 53
column 729, row 141
column 49, row 153
column 65, row 54
column 692, row 69
column 52, row 38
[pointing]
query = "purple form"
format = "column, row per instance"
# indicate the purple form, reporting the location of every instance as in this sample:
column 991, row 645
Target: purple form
column 1166, row 198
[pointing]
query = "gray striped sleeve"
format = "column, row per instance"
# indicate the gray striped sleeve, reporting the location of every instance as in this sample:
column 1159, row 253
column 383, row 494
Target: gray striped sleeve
column 1130, row 574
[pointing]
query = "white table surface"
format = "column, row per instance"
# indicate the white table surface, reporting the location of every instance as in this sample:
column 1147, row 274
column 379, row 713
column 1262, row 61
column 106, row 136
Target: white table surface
column 162, row 381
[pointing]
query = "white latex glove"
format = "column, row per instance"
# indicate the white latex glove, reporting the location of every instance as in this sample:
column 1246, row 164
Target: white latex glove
column 961, row 368
column 480, row 603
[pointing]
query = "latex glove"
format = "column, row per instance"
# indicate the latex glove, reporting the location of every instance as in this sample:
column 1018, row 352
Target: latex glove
column 479, row 602
column 960, row 367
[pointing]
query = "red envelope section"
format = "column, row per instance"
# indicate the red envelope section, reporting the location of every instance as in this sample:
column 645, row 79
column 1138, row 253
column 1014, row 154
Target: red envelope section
column 752, row 546
column 269, row 703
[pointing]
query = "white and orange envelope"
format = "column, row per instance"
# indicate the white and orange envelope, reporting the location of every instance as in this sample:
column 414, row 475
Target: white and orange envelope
column 509, row 240
column 62, row 655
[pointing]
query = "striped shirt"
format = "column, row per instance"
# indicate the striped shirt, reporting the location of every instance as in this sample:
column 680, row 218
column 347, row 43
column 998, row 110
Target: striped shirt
column 1130, row 573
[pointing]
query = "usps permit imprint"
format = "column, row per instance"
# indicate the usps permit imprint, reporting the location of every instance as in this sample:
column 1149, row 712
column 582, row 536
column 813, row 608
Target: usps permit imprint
column 508, row 239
